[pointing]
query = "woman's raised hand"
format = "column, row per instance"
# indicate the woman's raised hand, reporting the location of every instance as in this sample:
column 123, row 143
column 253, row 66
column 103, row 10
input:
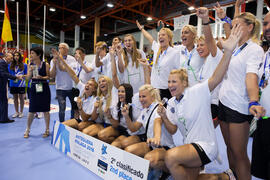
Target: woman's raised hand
column 230, row 44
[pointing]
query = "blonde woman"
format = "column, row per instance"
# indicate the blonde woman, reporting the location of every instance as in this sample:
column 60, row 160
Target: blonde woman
column 156, row 139
column 165, row 59
column 189, row 111
column 106, row 100
column 239, row 94
column 207, row 49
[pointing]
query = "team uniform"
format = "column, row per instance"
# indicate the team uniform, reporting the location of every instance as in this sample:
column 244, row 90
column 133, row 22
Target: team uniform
column 207, row 70
column 84, row 76
column 260, row 163
column 133, row 75
column 192, row 61
column 233, row 96
column 136, row 111
column 192, row 115
column 17, row 86
column 102, row 119
column 167, row 61
column 166, row 139
column 88, row 103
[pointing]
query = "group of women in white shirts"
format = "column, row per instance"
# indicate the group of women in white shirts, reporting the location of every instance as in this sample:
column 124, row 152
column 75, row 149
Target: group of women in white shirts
column 195, row 76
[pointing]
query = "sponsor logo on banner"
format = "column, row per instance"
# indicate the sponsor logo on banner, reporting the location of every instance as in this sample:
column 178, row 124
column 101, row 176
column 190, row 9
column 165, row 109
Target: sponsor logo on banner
column 101, row 164
column 104, row 149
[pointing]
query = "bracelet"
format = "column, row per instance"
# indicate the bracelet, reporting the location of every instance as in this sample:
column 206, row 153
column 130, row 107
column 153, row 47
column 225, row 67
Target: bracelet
column 253, row 103
column 227, row 20
column 206, row 23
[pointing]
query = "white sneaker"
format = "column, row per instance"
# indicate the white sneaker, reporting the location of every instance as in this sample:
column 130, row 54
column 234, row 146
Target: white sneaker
column 20, row 114
column 15, row 115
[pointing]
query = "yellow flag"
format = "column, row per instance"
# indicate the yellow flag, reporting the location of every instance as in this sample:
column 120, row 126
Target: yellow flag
column 6, row 30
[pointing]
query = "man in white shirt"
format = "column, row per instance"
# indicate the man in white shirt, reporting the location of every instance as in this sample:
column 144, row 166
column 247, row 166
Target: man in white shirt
column 85, row 67
column 63, row 82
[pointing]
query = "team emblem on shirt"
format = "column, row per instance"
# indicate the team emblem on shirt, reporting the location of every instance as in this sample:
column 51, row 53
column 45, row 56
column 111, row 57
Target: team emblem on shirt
column 142, row 117
column 172, row 110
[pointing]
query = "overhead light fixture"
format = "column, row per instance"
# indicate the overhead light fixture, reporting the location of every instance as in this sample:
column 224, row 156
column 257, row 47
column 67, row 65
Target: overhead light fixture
column 110, row 5
column 52, row 9
column 149, row 19
column 2, row 11
column 191, row 8
column 105, row 34
column 83, row 17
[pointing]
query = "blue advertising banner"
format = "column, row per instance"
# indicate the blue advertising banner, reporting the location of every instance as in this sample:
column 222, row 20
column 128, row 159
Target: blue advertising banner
column 101, row 158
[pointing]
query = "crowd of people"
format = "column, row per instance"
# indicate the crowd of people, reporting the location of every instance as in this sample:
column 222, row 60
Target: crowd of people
column 122, row 100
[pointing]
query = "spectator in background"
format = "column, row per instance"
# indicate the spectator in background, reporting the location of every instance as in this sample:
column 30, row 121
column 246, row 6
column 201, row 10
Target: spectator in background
column 17, row 87
column 63, row 82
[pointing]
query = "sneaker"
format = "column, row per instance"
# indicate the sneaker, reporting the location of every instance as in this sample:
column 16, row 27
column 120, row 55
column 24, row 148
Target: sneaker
column 230, row 174
column 15, row 115
column 20, row 114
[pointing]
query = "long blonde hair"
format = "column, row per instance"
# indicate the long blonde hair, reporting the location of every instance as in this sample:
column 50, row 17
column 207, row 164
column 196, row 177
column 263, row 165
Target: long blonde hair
column 108, row 96
column 154, row 93
column 170, row 36
column 182, row 73
column 251, row 19
column 135, row 53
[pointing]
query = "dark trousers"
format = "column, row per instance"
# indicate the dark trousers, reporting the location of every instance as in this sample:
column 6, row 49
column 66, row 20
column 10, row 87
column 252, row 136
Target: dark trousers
column 61, row 97
column 3, row 105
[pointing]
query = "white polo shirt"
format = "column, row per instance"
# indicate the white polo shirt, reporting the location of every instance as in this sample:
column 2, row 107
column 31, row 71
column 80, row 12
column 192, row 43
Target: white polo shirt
column 233, row 91
column 192, row 115
column 88, row 103
column 166, row 138
column 132, row 75
column 84, row 76
column 102, row 117
column 265, row 96
column 168, row 61
column 62, row 79
column 207, row 70
column 136, row 111
column 107, row 70
column 193, row 59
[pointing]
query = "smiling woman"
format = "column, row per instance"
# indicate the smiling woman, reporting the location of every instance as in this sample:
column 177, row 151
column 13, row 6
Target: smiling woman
column 166, row 58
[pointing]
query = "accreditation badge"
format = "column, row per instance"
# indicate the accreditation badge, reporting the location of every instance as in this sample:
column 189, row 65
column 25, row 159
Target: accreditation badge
column 39, row 88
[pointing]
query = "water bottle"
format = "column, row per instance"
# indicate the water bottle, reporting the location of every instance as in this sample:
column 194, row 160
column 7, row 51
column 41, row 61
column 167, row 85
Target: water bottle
column 35, row 71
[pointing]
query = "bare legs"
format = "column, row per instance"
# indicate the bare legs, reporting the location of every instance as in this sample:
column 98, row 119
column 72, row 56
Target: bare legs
column 30, row 120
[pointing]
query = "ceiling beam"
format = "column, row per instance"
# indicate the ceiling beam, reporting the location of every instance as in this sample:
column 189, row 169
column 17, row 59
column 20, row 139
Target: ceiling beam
column 190, row 4
column 111, row 11
column 146, row 15
column 57, row 6
column 128, row 20
column 35, row 10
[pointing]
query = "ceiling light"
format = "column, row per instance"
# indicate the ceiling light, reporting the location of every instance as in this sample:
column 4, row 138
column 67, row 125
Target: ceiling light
column 149, row 19
column 83, row 17
column 52, row 9
column 110, row 5
column 2, row 11
column 191, row 8
column 105, row 34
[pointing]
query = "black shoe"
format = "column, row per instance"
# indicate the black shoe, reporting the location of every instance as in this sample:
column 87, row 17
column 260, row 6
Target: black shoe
column 7, row 121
